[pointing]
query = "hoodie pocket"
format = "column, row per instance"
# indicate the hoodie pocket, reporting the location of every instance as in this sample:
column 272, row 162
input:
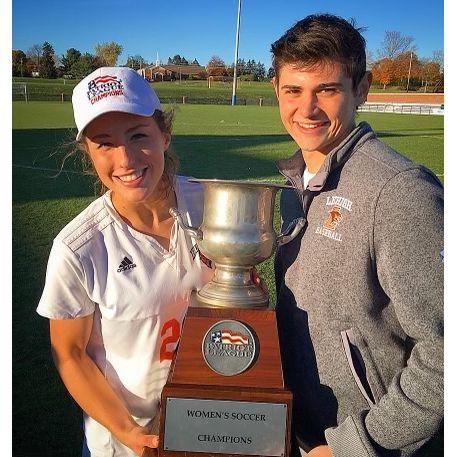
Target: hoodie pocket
column 357, row 365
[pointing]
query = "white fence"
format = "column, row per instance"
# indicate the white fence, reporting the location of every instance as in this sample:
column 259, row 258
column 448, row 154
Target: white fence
column 402, row 108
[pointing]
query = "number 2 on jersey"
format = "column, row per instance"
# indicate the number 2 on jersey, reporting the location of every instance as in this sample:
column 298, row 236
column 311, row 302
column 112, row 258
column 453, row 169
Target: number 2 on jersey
column 173, row 328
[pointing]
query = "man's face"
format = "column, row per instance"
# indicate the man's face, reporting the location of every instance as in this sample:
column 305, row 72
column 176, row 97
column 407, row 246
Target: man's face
column 317, row 105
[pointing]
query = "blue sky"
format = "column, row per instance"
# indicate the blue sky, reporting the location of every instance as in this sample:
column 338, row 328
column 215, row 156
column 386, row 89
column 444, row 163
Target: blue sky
column 203, row 28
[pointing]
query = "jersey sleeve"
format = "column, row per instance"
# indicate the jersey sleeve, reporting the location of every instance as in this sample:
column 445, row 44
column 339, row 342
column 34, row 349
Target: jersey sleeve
column 64, row 295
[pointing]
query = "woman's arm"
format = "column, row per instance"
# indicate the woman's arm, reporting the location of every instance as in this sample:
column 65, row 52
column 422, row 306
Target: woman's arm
column 88, row 386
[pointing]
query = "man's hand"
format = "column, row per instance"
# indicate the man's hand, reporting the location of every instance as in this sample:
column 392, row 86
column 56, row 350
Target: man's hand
column 320, row 451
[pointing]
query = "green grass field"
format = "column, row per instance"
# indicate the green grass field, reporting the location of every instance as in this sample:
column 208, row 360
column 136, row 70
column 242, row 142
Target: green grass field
column 195, row 91
column 212, row 141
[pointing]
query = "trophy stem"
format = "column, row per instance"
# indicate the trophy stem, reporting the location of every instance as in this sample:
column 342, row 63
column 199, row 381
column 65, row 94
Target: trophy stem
column 232, row 286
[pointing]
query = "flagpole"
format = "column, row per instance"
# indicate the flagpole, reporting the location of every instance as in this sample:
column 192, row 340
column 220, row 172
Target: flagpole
column 237, row 36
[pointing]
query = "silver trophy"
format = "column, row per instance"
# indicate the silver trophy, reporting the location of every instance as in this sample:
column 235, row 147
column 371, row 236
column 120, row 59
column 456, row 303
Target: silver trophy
column 237, row 234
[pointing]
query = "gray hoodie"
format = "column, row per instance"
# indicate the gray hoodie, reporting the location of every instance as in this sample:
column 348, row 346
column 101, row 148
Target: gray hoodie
column 360, row 300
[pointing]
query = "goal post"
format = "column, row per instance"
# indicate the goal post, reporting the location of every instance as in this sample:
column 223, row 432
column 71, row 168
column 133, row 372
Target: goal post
column 20, row 92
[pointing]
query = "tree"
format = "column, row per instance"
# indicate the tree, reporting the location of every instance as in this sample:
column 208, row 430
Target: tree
column 438, row 57
column 177, row 60
column 370, row 59
column 271, row 73
column 70, row 58
column 108, row 53
column 19, row 63
column 259, row 71
column 47, row 66
column 136, row 62
column 85, row 65
column 395, row 43
column 239, row 68
column 383, row 71
column 250, row 67
column 216, row 67
column 402, row 68
column 34, row 54
column 430, row 73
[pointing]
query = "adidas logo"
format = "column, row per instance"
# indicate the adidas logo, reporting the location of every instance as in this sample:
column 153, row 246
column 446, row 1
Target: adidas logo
column 126, row 264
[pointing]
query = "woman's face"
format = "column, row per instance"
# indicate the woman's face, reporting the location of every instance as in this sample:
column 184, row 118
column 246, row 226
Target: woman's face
column 127, row 151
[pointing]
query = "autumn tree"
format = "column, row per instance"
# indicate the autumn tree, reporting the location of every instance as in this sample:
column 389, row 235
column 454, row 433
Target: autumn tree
column 383, row 71
column 216, row 67
column 108, row 53
column 430, row 73
column 47, row 66
column 395, row 43
column 402, row 65
column 19, row 63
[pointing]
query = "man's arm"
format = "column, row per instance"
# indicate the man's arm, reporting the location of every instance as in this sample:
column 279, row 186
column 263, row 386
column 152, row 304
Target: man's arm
column 88, row 386
column 407, row 245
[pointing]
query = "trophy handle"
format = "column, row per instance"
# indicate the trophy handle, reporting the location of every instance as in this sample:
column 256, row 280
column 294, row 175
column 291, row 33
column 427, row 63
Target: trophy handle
column 282, row 238
column 195, row 232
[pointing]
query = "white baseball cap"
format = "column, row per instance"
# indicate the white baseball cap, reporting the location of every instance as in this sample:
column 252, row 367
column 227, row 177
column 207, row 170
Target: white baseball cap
column 110, row 89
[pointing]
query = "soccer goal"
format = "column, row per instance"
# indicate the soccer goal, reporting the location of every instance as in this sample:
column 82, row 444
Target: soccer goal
column 20, row 92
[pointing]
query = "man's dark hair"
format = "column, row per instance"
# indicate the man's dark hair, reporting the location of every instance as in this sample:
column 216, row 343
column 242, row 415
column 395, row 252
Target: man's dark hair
column 322, row 38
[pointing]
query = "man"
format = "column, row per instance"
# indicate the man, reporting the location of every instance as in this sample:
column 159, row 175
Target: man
column 360, row 292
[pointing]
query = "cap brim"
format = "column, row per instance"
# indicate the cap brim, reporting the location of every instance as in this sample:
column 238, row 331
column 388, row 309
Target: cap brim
column 117, row 110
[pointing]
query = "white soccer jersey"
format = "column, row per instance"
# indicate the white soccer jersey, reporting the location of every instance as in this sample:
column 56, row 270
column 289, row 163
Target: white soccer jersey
column 138, row 292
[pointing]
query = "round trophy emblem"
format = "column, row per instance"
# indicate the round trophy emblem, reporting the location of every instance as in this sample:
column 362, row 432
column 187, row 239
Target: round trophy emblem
column 229, row 347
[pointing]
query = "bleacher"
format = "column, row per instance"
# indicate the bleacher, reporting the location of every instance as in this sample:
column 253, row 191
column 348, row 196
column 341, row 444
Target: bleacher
column 402, row 108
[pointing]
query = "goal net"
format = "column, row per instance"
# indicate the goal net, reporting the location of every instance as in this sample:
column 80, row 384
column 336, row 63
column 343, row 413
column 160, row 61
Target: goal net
column 20, row 91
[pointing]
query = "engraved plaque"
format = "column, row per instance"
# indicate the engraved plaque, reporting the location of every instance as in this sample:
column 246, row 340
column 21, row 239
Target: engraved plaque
column 226, row 427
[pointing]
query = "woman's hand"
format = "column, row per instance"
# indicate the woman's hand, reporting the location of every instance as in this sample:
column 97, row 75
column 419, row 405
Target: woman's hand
column 88, row 386
column 141, row 441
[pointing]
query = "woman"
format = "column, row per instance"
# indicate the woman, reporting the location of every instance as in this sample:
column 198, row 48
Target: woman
column 120, row 274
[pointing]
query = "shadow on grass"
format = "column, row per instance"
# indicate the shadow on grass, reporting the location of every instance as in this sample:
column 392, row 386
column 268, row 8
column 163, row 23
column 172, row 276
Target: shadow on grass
column 409, row 132
column 35, row 161
column 46, row 421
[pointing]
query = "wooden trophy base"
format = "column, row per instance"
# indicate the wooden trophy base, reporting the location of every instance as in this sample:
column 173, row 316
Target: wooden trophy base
column 204, row 412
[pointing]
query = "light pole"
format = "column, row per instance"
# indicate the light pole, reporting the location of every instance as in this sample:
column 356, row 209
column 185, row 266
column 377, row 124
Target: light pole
column 236, row 53
column 409, row 71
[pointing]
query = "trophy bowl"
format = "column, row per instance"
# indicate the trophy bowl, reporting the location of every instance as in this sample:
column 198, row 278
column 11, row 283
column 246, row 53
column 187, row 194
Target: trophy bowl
column 236, row 234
